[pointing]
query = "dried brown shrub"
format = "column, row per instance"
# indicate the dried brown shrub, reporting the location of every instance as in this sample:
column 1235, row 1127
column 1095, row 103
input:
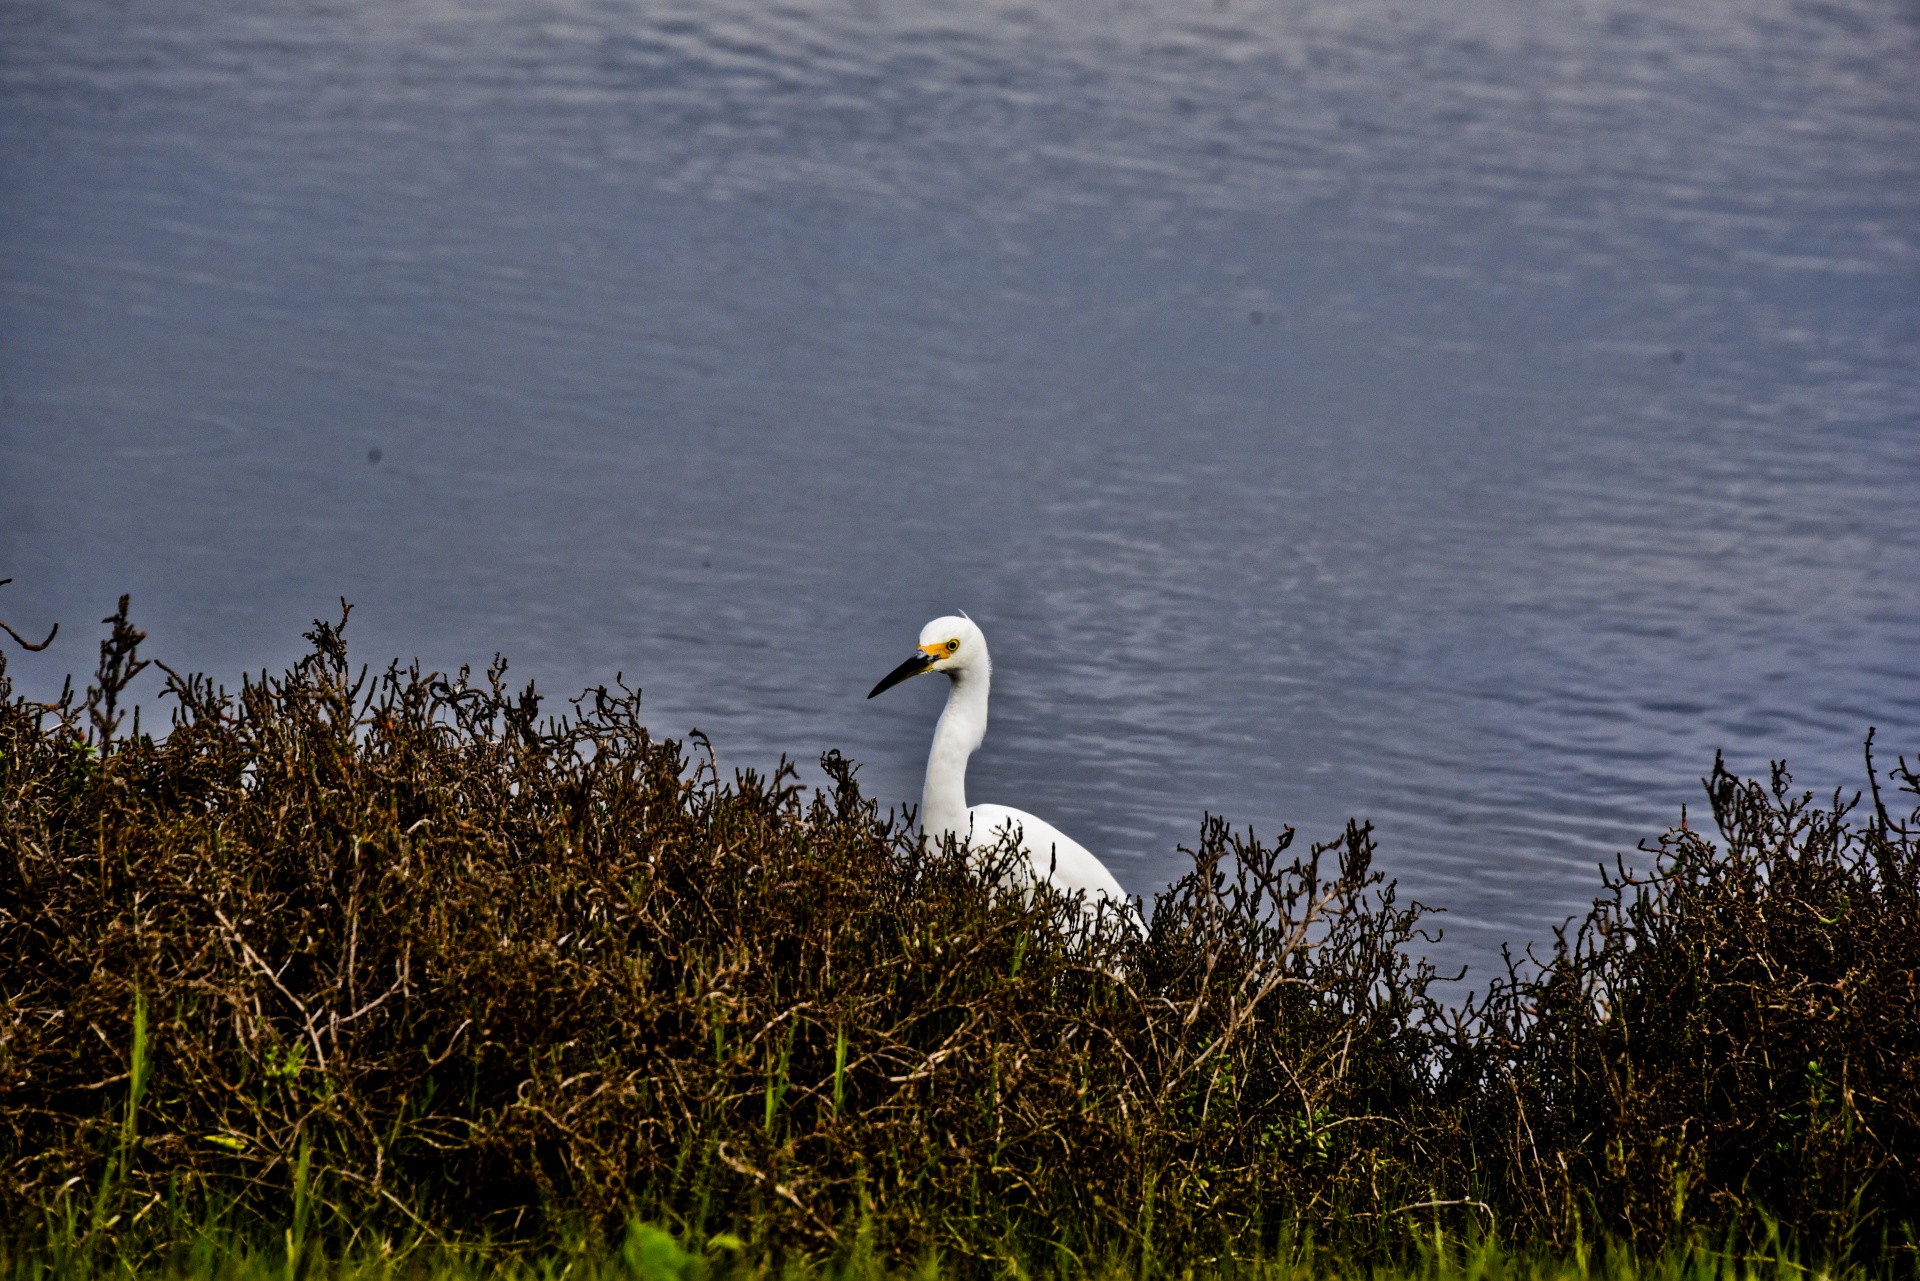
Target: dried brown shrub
column 396, row 951
column 1730, row 1038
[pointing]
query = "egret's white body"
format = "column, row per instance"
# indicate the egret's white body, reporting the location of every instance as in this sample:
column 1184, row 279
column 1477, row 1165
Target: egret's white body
column 956, row 648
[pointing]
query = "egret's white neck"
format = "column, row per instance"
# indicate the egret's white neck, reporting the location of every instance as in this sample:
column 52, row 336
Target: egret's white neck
column 943, row 803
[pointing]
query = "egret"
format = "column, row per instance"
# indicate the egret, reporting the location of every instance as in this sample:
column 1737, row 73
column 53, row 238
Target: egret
column 956, row 648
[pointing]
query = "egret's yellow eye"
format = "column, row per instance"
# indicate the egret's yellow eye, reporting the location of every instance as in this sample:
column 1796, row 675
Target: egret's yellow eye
column 952, row 645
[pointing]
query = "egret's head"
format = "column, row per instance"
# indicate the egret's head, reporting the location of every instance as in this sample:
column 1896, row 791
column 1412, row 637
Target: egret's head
column 951, row 645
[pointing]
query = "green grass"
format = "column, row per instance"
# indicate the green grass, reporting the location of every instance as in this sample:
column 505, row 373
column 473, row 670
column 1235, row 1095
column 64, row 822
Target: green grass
column 646, row 1252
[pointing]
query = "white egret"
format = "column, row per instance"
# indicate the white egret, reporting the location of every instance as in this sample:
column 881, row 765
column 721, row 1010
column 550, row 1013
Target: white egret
column 956, row 648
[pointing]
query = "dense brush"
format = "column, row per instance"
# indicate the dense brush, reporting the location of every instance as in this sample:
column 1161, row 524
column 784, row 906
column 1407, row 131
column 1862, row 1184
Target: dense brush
column 346, row 955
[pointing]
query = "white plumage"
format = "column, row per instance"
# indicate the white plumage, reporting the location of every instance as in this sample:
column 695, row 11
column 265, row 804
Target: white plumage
column 956, row 648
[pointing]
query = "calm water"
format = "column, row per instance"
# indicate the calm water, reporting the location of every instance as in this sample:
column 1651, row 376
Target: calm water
column 1466, row 415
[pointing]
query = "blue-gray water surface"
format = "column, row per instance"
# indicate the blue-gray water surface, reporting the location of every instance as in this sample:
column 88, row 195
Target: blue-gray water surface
column 1466, row 414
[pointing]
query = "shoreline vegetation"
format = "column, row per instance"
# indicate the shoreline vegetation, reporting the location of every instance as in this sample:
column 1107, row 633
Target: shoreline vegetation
column 355, row 973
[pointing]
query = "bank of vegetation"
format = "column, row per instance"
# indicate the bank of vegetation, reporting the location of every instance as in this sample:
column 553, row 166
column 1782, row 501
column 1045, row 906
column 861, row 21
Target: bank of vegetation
column 350, row 962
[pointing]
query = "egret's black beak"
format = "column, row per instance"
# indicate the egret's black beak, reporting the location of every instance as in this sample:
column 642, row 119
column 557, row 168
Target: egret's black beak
column 906, row 671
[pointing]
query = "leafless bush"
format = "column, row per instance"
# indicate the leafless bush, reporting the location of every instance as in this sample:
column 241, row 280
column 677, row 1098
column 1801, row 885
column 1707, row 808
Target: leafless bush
column 398, row 952
column 1728, row 1040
